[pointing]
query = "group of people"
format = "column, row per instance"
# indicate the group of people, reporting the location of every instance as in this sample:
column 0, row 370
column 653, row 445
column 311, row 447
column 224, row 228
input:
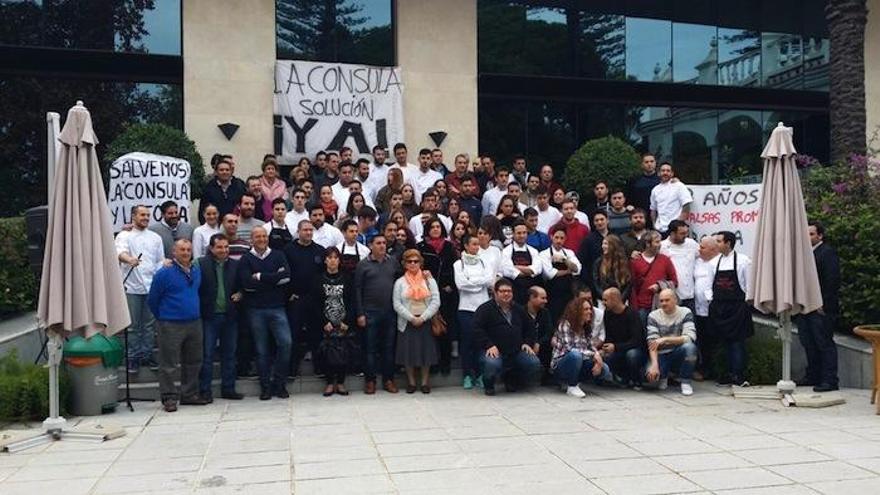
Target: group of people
column 364, row 266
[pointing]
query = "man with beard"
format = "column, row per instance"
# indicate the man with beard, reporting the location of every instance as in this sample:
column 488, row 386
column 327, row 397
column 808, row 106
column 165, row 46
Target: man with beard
column 632, row 240
column 246, row 219
column 638, row 188
column 325, row 234
column 171, row 229
column 618, row 214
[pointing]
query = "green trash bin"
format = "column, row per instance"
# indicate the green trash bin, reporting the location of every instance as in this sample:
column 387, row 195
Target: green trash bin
column 93, row 367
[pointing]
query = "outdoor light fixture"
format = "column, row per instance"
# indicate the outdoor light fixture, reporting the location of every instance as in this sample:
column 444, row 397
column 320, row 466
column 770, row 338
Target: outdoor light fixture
column 228, row 129
column 437, row 137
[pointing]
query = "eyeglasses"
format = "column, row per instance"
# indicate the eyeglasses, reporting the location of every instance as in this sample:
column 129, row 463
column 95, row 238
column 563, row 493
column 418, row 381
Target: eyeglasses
column 409, row 262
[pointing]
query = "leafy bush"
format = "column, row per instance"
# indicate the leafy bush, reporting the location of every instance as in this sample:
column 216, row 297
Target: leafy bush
column 24, row 390
column 763, row 363
column 159, row 139
column 609, row 158
column 845, row 198
column 18, row 286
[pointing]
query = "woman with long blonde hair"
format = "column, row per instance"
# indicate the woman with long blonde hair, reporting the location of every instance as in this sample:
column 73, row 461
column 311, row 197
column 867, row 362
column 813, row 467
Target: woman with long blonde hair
column 612, row 269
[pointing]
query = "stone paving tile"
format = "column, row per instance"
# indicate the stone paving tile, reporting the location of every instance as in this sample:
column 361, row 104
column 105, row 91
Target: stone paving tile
column 418, row 448
column 821, row 471
column 147, row 482
column 857, row 450
column 849, row 487
column 37, row 472
column 67, row 487
column 7, row 472
column 150, row 466
column 673, row 447
column 338, row 469
column 748, row 442
column 871, row 464
column 249, row 459
column 345, row 486
column 404, row 436
column 702, row 462
column 243, row 476
column 620, row 467
column 770, row 490
column 726, row 479
column 646, row 485
column 273, row 488
column 438, row 480
column 785, row 455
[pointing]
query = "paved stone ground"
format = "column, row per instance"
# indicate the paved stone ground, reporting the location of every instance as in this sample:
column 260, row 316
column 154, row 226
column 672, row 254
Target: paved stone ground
column 453, row 441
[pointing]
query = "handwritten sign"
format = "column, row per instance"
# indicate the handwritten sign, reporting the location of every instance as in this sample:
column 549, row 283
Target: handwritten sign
column 734, row 208
column 325, row 106
column 150, row 180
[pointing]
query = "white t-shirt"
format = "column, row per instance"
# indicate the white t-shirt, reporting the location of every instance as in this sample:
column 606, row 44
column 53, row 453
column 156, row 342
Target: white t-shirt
column 292, row 220
column 684, row 257
column 473, row 281
column 408, row 172
column 422, row 181
column 582, row 217
column 327, row 236
column 377, row 180
column 202, row 238
column 548, row 218
column 492, row 256
column 491, row 200
column 146, row 244
column 667, row 199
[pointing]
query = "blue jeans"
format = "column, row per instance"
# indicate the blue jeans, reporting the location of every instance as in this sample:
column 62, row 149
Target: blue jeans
column 736, row 358
column 525, row 365
column 816, row 333
column 271, row 323
column 223, row 329
column 572, row 369
column 142, row 332
column 380, row 338
column 467, row 349
column 683, row 358
column 628, row 365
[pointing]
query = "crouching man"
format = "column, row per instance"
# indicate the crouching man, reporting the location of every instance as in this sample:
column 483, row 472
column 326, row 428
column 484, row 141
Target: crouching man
column 671, row 337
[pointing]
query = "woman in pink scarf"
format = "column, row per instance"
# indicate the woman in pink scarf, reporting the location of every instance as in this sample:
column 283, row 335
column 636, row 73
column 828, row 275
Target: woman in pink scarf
column 416, row 299
column 271, row 186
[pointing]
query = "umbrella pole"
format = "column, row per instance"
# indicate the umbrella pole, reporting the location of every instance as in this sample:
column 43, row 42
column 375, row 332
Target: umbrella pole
column 785, row 386
column 54, row 424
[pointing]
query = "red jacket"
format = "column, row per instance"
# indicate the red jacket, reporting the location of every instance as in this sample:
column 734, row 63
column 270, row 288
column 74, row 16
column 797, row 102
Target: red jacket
column 575, row 233
column 645, row 274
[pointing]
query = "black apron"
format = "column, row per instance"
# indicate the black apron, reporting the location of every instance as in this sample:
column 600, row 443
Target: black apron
column 521, row 284
column 348, row 262
column 729, row 314
column 279, row 237
column 559, row 289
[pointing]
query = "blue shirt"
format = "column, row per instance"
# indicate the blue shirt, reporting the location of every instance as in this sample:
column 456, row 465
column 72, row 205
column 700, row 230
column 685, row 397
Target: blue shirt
column 174, row 294
column 538, row 240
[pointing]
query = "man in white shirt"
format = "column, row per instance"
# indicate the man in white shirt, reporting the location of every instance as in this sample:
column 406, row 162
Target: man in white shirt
column 141, row 254
column 670, row 199
column 298, row 213
column 362, row 174
column 730, row 316
column 340, row 189
column 425, row 176
column 521, row 263
column 406, row 168
column 704, row 275
column 378, row 170
column 684, row 252
column 548, row 215
column 430, row 208
column 325, row 234
column 492, row 197
column 350, row 250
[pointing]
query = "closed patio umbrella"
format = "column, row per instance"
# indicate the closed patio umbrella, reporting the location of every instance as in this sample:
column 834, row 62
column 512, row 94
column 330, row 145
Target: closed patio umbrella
column 785, row 282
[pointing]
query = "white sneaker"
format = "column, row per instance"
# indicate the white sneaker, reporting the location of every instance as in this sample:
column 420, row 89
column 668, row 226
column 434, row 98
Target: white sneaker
column 687, row 389
column 575, row 391
column 663, row 384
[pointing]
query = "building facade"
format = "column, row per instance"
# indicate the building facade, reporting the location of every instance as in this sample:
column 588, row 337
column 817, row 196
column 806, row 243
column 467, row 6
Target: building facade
column 698, row 82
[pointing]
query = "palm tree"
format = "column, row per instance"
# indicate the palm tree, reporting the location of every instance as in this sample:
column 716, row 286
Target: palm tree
column 846, row 24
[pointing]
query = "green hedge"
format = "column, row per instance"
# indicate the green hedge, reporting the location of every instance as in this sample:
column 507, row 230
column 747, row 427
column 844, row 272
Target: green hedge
column 763, row 360
column 609, row 158
column 18, row 286
column 24, row 390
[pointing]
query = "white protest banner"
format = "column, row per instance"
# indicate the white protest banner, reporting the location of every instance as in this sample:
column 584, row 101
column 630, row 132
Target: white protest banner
column 150, row 180
column 734, row 208
column 325, row 106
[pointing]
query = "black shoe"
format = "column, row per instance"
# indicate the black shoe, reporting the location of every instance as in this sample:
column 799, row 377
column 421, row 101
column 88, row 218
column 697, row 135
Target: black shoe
column 724, row 381
column 265, row 394
column 281, row 392
column 233, row 395
column 170, row 405
column 806, row 382
column 193, row 401
column 825, row 387
column 209, row 398
column 489, row 390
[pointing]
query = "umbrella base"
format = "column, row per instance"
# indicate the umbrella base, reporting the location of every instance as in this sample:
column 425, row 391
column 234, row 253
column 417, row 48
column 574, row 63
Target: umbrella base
column 13, row 442
column 785, row 386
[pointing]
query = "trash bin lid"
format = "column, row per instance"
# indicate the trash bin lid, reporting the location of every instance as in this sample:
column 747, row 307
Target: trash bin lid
column 107, row 348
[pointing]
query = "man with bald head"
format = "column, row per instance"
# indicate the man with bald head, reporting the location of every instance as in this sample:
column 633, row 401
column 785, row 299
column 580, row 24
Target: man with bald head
column 704, row 275
column 174, row 300
column 671, row 342
column 624, row 346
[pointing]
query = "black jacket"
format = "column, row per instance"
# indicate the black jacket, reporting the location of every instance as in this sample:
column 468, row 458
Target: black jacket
column 492, row 329
column 225, row 202
column 208, row 289
column 306, row 263
column 625, row 330
column 543, row 326
column 270, row 291
column 440, row 265
column 828, row 266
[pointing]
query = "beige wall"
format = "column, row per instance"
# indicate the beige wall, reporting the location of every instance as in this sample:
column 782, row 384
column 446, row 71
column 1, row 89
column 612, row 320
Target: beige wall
column 437, row 53
column 872, row 70
column 228, row 64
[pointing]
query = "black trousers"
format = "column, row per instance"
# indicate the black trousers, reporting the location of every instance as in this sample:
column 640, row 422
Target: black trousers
column 816, row 333
column 707, row 344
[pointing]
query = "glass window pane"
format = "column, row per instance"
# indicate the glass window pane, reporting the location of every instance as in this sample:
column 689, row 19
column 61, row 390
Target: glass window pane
column 648, row 50
column 551, row 133
column 146, row 27
column 23, row 123
column 597, row 120
column 335, row 31
column 816, row 57
column 502, row 125
column 695, row 53
column 601, row 47
column 693, row 144
column 547, row 43
column 739, row 57
column 740, row 142
column 650, row 130
column 500, row 34
column 782, row 61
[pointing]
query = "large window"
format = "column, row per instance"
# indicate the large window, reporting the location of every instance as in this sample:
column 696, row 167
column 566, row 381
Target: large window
column 353, row 31
column 23, row 125
column 648, row 50
column 144, row 26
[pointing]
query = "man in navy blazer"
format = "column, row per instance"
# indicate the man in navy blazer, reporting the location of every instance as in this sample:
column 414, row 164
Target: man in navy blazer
column 219, row 295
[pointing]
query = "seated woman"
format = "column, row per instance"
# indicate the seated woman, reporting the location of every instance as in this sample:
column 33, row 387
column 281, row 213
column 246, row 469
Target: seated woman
column 575, row 358
column 415, row 299
column 336, row 307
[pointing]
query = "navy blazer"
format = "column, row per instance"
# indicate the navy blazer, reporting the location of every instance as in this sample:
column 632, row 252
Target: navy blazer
column 208, row 289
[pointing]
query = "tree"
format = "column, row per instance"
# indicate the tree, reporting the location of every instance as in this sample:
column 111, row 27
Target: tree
column 316, row 29
column 846, row 25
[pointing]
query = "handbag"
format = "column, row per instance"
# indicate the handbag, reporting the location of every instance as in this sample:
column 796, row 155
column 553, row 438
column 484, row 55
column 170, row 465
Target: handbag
column 438, row 325
column 334, row 351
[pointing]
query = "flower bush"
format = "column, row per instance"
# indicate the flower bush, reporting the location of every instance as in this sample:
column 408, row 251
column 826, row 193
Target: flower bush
column 845, row 198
